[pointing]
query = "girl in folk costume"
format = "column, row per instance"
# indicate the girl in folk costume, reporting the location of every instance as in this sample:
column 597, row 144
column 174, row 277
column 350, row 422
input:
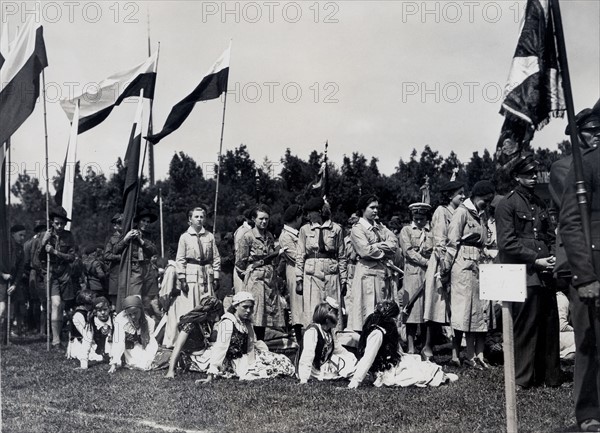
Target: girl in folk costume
column 380, row 353
column 320, row 259
column 235, row 351
column 288, row 241
column 437, row 289
column 91, row 329
column 323, row 357
column 254, row 257
column 195, row 332
column 469, row 314
column 133, row 337
column 417, row 244
column 375, row 246
column 198, row 260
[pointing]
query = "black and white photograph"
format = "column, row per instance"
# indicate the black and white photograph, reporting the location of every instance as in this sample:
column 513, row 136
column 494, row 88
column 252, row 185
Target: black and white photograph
column 299, row 216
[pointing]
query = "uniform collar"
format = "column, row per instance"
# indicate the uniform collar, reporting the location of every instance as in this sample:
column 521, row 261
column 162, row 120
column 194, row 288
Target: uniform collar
column 414, row 226
column 193, row 232
column 325, row 225
column 366, row 224
column 471, row 207
column 290, row 230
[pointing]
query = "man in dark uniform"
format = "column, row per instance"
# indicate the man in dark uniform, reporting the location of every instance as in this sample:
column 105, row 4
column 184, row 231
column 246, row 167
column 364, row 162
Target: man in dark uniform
column 19, row 280
column 59, row 245
column 113, row 260
column 588, row 126
column 585, row 268
column 526, row 236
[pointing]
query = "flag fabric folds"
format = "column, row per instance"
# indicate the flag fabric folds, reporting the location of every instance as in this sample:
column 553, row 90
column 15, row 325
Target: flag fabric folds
column 130, row 196
column 70, row 169
column 96, row 104
column 20, row 78
column 212, row 86
column 533, row 93
column 4, row 240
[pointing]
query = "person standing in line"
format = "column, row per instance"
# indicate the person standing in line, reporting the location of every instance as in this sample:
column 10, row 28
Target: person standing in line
column 198, row 265
column 244, row 225
column 526, row 235
column 59, row 245
column 416, row 243
column 469, row 314
column 288, row 242
column 112, row 260
column 254, row 258
column 375, row 245
column 142, row 279
column 584, row 291
column 437, row 286
column 320, row 259
column 37, row 293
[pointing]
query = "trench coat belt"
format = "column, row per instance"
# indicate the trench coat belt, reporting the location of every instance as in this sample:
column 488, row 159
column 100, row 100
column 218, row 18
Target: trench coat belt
column 192, row 261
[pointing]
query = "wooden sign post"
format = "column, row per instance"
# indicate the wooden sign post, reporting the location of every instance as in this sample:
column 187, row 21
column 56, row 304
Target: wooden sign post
column 506, row 283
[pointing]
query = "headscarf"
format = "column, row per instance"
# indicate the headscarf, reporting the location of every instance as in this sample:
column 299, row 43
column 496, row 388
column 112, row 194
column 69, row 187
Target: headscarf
column 136, row 302
column 240, row 297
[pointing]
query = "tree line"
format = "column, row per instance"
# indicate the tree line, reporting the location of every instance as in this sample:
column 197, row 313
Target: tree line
column 243, row 182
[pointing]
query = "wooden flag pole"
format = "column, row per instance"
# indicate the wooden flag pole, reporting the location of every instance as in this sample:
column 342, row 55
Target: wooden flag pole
column 508, row 347
column 219, row 164
column 48, row 312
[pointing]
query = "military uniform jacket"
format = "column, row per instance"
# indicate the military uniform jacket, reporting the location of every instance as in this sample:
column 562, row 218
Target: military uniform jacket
column 64, row 244
column 584, row 267
column 525, row 231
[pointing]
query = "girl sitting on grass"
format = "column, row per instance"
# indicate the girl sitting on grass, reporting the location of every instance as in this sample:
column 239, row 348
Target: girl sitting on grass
column 323, row 357
column 194, row 337
column 89, row 329
column 133, row 337
column 236, row 351
column 380, row 353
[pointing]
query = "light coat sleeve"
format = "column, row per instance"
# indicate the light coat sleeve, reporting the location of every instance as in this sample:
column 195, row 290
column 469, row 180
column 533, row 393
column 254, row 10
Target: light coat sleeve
column 216, row 263
column 411, row 253
column 180, row 262
column 374, row 341
column 301, row 253
column 219, row 349
column 308, row 354
column 362, row 246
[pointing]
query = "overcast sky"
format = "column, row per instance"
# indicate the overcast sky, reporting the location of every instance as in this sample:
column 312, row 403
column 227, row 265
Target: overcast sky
column 375, row 77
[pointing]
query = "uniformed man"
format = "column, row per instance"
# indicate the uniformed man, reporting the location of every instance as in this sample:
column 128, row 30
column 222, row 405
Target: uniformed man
column 585, row 268
column 526, row 236
column 59, row 245
column 19, row 279
column 588, row 126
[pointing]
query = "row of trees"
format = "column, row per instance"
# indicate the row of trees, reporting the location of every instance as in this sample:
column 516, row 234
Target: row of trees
column 244, row 182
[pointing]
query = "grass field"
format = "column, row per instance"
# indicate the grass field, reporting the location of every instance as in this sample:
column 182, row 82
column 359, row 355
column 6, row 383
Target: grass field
column 42, row 392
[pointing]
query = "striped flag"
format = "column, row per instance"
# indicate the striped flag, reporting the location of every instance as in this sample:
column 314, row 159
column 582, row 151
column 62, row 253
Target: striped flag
column 212, row 86
column 130, row 195
column 97, row 103
column 20, row 78
column 533, row 93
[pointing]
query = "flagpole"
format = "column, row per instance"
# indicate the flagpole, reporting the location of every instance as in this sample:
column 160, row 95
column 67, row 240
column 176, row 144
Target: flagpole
column 581, row 193
column 7, row 168
column 162, row 238
column 219, row 164
column 151, row 148
column 48, row 312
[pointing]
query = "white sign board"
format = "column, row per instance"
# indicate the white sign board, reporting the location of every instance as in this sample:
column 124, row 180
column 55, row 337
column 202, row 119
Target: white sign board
column 502, row 283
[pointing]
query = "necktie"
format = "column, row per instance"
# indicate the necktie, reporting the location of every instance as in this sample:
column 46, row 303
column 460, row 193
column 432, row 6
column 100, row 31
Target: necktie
column 321, row 241
column 201, row 256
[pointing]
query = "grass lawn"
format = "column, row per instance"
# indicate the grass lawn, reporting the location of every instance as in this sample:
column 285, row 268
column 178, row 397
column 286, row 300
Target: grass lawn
column 42, row 392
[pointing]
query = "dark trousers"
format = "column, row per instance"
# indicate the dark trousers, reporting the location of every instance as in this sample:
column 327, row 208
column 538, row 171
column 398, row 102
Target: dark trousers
column 536, row 332
column 586, row 386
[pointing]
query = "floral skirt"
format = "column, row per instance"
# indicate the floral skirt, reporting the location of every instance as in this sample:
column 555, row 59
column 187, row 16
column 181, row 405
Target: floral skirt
column 265, row 365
